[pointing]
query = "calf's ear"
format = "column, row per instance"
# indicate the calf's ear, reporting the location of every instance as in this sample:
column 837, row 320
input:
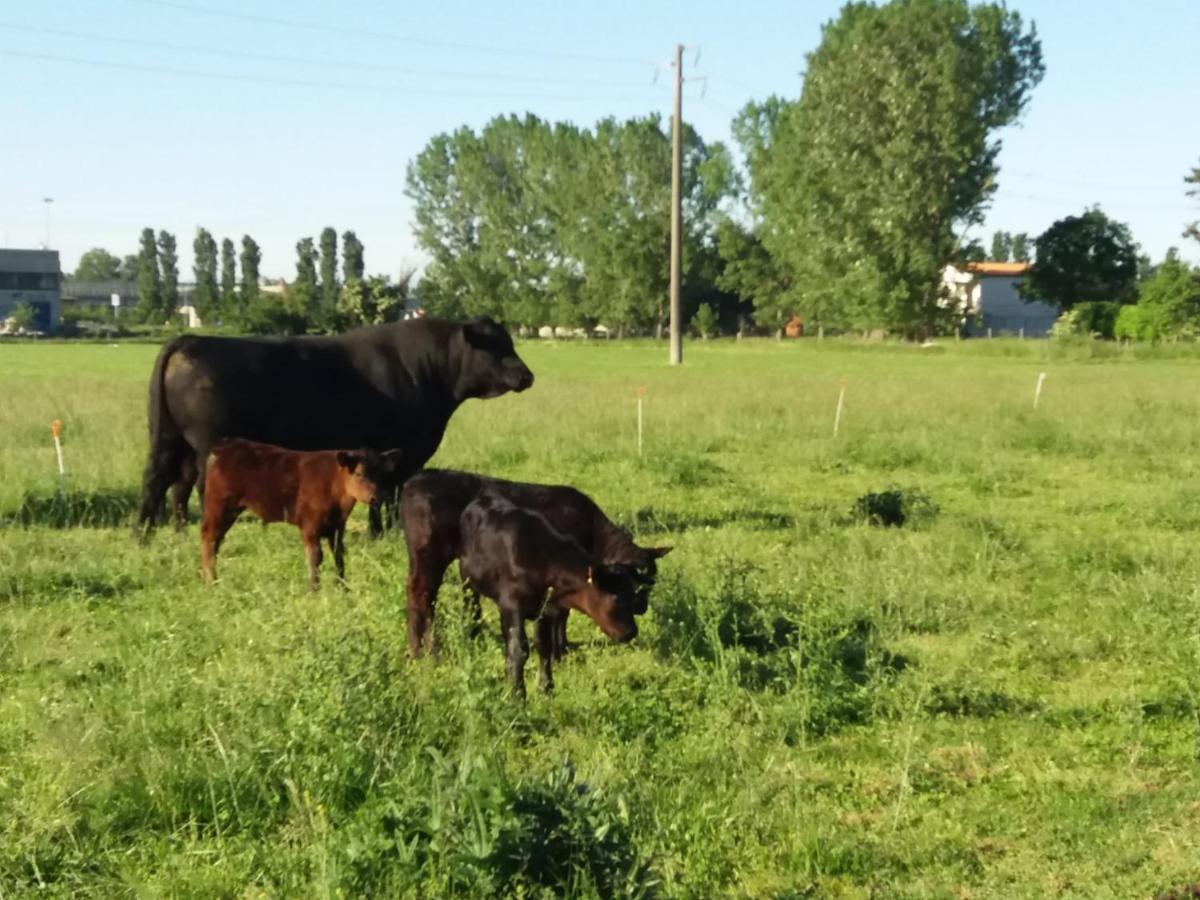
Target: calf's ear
column 393, row 459
column 658, row 552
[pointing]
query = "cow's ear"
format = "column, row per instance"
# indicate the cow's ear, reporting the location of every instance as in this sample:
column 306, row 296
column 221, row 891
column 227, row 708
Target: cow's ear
column 348, row 460
column 480, row 333
column 658, row 552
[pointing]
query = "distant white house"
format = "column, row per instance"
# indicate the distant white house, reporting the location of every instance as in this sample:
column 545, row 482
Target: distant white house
column 988, row 293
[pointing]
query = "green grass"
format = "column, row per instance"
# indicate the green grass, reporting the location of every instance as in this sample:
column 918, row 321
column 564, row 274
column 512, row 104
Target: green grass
column 999, row 699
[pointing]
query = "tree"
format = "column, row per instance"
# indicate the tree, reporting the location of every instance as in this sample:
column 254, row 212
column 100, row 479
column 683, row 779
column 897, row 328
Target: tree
column 206, row 299
column 251, row 259
column 129, row 267
column 753, row 274
column 98, row 264
column 228, row 275
column 1170, row 299
column 148, row 279
column 22, row 318
column 1083, row 258
column 168, row 265
column 1002, row 247
column 705, row 321
column 329, row 280
column 1020, row 247
column 303, row 290
column 374, row 301
column 352, row 257
column 1193, row 230
column 890, row 151
column 543, row 223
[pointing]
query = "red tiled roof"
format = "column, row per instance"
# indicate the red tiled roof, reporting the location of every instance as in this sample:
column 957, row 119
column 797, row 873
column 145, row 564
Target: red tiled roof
column 999, row 268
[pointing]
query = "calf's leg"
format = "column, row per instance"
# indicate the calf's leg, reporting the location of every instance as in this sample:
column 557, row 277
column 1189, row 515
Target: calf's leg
column 425, row 571
column 312, row 544
column 337, row 546
column 517, row 648
column 559, row 643
column 544, row 637
column 219, row 516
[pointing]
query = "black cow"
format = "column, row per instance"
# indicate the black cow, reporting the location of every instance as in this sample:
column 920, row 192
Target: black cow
column 533, row 571
column 382, row 387
column 432, row 503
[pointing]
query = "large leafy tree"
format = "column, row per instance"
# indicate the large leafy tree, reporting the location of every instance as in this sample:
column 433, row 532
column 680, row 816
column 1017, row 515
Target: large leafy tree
column 889, row 152
column 1020, row 247
column 228, row 275
column 1169, row 300
column 548, row 223
column 251, row 259
column 98, row 264
column 168, row 264
column 204, row 266
column 1193, row 230
column 1084, row 258
column 329, row 277
column 149, row 285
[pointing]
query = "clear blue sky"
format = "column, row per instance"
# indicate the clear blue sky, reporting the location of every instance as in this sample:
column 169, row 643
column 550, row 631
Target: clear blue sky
column 319, row 128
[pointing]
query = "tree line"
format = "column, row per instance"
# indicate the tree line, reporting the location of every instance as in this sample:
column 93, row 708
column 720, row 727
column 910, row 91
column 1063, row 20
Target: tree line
column 318, row 299
column 842, row 205
column 852, row 198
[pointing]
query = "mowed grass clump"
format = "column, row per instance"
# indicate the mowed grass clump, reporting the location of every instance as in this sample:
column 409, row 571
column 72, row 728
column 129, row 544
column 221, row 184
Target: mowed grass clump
column 996, row 700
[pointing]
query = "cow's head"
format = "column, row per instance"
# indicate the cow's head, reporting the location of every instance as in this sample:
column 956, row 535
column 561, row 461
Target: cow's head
column 488, row 363
column 369, row 474
column 608, row 597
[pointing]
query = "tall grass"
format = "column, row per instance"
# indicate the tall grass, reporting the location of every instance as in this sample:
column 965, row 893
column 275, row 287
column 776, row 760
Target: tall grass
column 998, row 699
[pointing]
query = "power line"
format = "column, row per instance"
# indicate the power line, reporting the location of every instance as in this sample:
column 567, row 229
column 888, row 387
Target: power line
column 1074, row 201
column 305, row 61
column 334, row 85
column 1104, row 185
column 388, row 36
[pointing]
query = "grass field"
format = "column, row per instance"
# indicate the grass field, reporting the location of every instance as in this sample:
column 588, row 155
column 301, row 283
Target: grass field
column 999, row 699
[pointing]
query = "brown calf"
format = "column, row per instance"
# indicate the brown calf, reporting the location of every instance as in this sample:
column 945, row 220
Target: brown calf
column 314, row 490
column 533, row 571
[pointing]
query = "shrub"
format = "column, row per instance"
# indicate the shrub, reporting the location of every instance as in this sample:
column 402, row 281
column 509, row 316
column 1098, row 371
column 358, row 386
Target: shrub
column 1097, row 318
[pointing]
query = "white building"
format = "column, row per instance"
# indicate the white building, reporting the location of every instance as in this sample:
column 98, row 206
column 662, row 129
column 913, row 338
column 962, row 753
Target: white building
column 988, row 293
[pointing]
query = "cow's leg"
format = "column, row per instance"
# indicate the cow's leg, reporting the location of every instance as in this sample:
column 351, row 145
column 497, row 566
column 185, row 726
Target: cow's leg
column 162, row 470
column 545, row 637
column 425, row 571
column 337, row 546
column 516, row 647
column 312, row 545
column 182, row 490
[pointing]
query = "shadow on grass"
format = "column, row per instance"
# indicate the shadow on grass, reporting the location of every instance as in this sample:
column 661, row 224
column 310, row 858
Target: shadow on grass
column 649, row 519
column 103, row 508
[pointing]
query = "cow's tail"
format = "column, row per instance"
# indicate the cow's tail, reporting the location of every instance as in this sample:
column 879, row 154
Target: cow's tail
column 168, row 449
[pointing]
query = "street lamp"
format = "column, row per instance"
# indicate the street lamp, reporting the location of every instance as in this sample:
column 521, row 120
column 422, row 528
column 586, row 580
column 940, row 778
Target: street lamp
column 47, row 201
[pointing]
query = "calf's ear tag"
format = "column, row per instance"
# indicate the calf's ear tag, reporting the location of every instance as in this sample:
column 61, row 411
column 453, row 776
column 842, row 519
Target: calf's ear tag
column 589, row 574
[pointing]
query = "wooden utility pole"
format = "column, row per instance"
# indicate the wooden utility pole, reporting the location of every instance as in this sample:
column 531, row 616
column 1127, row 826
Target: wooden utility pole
column 677, row 211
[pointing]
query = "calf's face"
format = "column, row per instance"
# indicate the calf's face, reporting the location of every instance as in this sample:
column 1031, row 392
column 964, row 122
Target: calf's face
column 609, row 598
column 369, row 473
